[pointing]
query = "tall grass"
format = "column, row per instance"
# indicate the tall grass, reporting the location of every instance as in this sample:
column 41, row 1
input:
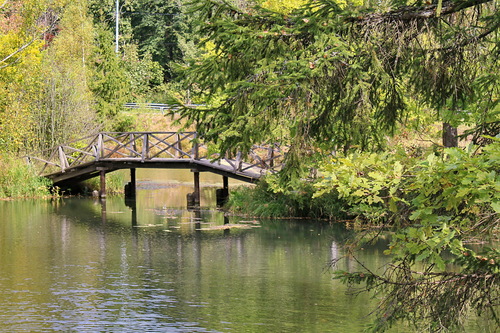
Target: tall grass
column 19, row 180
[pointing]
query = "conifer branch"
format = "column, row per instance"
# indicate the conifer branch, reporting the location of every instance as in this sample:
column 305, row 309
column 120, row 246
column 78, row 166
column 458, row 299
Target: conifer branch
column 410, row 13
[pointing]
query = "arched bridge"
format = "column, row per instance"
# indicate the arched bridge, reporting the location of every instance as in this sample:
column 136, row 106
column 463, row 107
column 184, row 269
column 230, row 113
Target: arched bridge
column 109, row 151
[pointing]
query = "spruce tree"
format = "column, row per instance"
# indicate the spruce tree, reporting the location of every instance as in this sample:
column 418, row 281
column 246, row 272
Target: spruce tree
column 339, row 73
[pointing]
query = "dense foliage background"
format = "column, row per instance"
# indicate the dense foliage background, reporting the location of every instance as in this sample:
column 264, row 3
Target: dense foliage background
column 60, row 77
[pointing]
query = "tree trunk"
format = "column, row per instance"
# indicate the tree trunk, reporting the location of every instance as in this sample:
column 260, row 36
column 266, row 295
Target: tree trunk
column 450, row 138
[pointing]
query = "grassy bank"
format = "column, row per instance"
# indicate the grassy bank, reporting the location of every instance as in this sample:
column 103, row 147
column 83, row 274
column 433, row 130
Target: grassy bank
column 261, row 201
column 19, row 180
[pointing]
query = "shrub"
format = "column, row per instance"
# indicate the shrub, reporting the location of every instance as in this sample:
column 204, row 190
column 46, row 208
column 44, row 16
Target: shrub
column 264, row 201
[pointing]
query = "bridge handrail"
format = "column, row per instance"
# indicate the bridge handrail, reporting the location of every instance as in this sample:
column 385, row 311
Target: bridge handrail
column 151, row 146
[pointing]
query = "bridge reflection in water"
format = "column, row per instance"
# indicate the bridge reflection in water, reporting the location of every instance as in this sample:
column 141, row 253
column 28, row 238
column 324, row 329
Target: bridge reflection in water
column 99, row 154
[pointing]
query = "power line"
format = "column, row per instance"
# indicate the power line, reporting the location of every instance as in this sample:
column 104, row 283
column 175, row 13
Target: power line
column 117, row 27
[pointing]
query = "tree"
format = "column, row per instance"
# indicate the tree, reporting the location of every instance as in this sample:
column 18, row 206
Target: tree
column 24, row 26
column 29, row 21
column 437, row 208
column 65, row 108
column 282, row 5
column 330, row 72
column 156, row 26
column 109, row 82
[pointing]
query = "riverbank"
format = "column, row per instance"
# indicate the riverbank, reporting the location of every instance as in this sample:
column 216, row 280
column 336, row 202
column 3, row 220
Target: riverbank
column 454, row 186
column 19, row 180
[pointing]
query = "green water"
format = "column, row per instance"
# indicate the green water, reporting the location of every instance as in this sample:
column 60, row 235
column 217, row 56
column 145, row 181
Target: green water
column 74, row 265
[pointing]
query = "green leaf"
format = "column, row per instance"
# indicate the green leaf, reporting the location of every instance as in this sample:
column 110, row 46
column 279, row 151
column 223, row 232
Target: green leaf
column 424, row 255
column 438, row 261
column 496, row 206
column 392, row 205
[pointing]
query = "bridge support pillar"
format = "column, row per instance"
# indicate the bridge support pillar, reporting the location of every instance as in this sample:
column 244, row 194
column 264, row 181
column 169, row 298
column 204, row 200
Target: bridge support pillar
column 193, row 199
column 222, row 194
column 102, row 193
column 130, row 188
column 103, row 211
column 132, row 204
column 196, row 188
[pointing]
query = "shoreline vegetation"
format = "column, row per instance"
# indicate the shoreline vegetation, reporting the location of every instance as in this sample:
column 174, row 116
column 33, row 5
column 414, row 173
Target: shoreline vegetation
column 386, row 188
column 18, row 181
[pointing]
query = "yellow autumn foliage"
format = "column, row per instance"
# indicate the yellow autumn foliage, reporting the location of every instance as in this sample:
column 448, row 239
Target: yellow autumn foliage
column 282, row 6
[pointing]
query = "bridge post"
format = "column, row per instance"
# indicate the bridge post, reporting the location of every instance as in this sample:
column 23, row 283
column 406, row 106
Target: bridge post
column 130, row 188
column 103, row 211
column 145, row 147
column 237, row 164
column 132, row 180
column 196, row 188
column 195, row 152
column 193, row 199
column 270, row 155
column 132, row 204
column 63, row 159
column 178, row 145
column 221, row 194
column 133, row 144
column 100, row 147
column 102, row 193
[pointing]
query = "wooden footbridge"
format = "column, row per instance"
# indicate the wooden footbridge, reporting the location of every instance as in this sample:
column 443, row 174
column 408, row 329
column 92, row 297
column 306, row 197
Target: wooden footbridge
column 98, row 154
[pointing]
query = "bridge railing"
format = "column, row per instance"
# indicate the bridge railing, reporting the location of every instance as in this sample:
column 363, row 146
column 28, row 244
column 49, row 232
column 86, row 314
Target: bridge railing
column 151, row 146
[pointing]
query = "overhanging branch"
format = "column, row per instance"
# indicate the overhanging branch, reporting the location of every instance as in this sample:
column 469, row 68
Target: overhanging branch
column 409, row 13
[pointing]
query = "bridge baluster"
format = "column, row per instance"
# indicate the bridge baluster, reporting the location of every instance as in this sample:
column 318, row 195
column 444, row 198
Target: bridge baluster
column 270, row 156
column 145, row 147
column 195, row 152
column 237, row 166
column 100, row 147
column 63, row 159
column 178, row 145
column 133, row 147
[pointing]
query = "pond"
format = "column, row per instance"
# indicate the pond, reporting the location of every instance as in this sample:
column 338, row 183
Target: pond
column 74, row 264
